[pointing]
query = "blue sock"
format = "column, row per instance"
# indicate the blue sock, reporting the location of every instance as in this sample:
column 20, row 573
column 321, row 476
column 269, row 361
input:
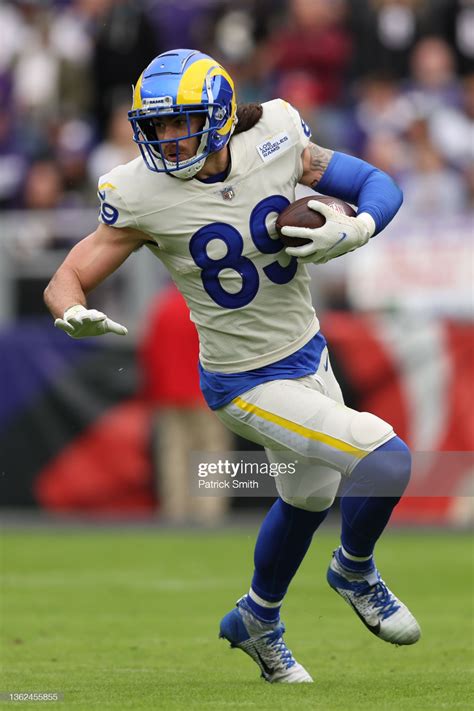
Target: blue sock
column 366, row 506
column 263, row 612
column 362, row 565
column 282, row 543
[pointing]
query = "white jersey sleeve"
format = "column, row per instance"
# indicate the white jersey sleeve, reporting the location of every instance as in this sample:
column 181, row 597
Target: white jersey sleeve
column 114, row 211
column 302, row 129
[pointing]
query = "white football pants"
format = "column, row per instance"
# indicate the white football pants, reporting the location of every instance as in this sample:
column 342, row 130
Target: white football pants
column 307, row 416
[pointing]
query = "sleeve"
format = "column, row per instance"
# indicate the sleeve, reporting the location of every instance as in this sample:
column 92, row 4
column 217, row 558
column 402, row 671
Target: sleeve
column 114, row 211
column 303, row 131
column 362, row 184
column 303, row 134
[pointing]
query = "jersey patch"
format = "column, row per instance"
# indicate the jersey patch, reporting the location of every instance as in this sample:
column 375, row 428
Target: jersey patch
column 273, row 147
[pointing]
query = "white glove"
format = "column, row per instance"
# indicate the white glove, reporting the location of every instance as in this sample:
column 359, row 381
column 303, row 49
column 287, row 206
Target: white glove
column 339, row 234
column 79, row 322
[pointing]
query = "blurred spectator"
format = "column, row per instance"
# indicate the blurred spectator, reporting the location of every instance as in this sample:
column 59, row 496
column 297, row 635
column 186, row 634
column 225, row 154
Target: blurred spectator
column 36, row 70
column 12, row 160
column 126, row 42
column 388, row 152
column 43, row 189
column 237, row 36
column 238, row 30
column 452, row 129
column 73, row 141
column 168, row 357
column 305, row 61
column 376, row 111
column 14, row 35
column 72, row 38
column 385, row 31
column 432, row 187
column 454, row 21
column 314, row 43
column 117, row 147
column 184, row 24
column 379, row 78
column 433, row 81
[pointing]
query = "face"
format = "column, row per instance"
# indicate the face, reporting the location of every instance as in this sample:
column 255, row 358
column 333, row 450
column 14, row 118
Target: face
column 170, row 128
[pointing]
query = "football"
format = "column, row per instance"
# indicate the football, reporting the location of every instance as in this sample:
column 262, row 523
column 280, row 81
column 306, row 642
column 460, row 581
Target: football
column 298, row 214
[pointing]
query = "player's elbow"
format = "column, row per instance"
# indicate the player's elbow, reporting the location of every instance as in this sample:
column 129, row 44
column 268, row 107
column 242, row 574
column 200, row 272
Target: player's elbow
column 387, row 186
column 48, row 295
column 389, row 198
column 398, row 195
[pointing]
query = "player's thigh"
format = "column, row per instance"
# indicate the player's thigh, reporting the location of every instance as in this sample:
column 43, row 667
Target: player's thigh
column 299, row 416
column 303, row 482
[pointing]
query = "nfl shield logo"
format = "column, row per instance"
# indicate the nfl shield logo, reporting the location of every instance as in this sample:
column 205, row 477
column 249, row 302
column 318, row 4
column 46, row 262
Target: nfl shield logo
column 228, row 193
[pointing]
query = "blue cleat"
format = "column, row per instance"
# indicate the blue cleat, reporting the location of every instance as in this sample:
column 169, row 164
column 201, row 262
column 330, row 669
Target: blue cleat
column 263, row 642
column 378, row 608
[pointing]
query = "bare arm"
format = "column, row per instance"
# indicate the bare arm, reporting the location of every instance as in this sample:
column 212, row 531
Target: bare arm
column 315, row 161
column 90, row 262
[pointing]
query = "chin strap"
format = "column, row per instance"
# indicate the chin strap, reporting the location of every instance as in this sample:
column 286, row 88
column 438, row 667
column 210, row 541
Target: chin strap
column 187, row 171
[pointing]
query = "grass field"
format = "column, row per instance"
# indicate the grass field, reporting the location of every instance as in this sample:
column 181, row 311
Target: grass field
column 128, row 620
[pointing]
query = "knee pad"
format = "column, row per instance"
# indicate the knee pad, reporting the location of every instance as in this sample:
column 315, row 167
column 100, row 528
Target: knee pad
column 309, row 503
column 313, row 490
column 368, row 430
column 318, row 503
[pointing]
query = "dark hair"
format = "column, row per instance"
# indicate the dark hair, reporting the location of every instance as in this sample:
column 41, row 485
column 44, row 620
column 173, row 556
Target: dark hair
column 248, row 115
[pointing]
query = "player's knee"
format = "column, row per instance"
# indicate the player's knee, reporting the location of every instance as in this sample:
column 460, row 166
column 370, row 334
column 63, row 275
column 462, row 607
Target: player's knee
column 387, row 468
column 368, row 430
column 397, row 463
column 309, row 503
column 318, row 503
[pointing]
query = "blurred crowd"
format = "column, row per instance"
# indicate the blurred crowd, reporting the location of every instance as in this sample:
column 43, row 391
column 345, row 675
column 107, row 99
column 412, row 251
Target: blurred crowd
column 388, row 80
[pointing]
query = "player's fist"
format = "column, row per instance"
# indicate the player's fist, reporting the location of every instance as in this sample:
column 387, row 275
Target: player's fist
column 339, row 234
column 79, row 322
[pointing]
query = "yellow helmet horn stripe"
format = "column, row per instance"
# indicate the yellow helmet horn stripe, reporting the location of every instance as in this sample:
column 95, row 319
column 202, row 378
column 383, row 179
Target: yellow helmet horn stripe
column 137, row 94
column 190, row 86
column 192, row 81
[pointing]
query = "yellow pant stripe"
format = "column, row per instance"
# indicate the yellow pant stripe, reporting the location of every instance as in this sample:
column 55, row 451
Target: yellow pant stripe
column 299, row 429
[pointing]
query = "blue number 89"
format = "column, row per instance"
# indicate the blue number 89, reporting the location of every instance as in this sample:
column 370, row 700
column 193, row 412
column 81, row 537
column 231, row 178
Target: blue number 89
column 234, row 260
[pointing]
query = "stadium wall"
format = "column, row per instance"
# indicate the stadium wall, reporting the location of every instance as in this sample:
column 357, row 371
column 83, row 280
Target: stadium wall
column 75, row 435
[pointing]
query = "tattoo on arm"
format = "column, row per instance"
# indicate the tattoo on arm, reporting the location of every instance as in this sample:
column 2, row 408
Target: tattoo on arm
column 320, row 158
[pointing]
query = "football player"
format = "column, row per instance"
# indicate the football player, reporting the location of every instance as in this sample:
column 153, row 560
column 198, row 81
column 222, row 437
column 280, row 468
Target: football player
column 204, row 197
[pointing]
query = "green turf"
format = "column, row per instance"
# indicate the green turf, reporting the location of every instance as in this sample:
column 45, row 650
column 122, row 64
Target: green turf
column 128, row 620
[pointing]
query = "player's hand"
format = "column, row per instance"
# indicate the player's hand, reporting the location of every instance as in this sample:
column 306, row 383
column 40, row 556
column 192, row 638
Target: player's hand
column 339, row 234
column 79, row 322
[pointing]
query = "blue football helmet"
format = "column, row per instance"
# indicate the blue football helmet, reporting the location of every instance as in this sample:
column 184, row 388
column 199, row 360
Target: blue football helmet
column 183, row 82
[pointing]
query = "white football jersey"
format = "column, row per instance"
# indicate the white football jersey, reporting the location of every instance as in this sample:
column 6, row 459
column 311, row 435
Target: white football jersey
column 249, row 300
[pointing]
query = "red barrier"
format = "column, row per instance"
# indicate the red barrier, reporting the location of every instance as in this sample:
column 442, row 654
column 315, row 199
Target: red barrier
column 419, row 377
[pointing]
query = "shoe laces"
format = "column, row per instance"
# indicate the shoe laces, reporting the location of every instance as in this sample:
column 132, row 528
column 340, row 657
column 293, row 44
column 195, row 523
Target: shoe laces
column 380, row 597
column 278, row 651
